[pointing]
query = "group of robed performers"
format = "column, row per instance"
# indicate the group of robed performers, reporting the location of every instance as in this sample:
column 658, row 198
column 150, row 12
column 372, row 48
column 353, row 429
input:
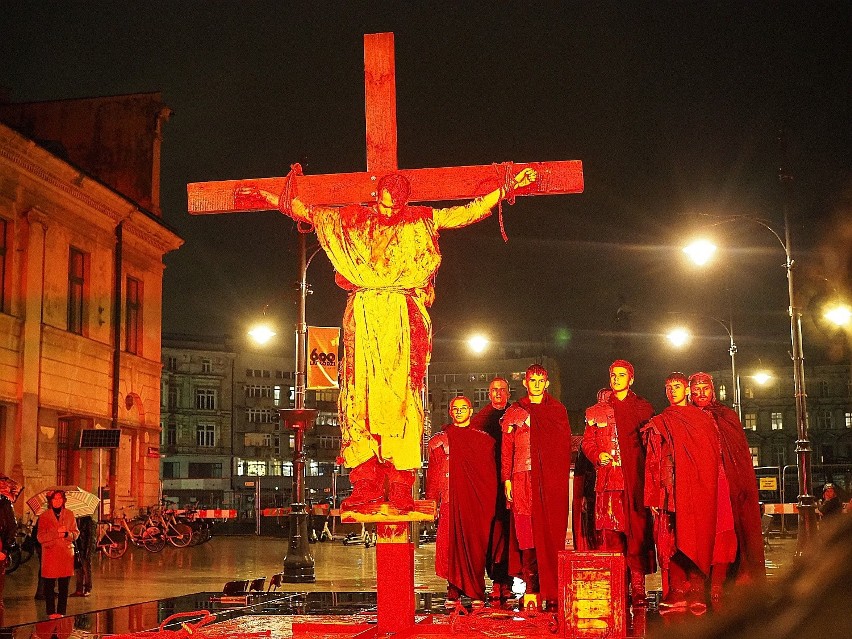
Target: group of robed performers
column 683, row 478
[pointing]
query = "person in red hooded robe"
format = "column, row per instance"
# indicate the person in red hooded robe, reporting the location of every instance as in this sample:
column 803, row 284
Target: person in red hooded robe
column 745, row 563
column 623, row 521
column 536, row 460
column 464, row 485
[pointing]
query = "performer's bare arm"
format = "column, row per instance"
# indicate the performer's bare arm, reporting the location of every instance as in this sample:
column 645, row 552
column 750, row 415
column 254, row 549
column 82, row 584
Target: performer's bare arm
column 480, row 208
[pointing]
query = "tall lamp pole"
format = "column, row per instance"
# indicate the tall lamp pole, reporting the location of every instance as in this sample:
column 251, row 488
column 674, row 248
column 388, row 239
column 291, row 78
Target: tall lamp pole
column 805, row 502
column 298, row 561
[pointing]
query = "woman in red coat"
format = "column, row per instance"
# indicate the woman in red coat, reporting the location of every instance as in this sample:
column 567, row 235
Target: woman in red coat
column 57, row 530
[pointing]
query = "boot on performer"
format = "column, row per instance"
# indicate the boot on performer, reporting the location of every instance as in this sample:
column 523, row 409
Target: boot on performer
column 367, row 485
column 400, row 483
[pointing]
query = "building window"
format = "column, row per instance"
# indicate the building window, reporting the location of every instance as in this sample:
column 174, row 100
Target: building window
column 171, row 470
column 63, row 450
column 260, row 415
column 823, row 419
column 205, row 398
column 170, row 434
column 822, row 388
column 171, row 363
column 750, row 421
column 205, row 470
column 78, row 285
column 4, row 246
column 749, row 392
column 847, row 418
column 755, row 452
column 723, row 393
column 255, row 468
column 255, row 390
column 133, row 317
column 777, row 421
column 206, row 365
column 276, row 395
column 174, row 397
column 480, row 397
column 205, row 435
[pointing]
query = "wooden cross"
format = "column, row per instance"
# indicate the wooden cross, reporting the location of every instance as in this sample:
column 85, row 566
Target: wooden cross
column 427, row 185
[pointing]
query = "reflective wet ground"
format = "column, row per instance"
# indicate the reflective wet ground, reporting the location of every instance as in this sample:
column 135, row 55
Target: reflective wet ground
column 179, row 580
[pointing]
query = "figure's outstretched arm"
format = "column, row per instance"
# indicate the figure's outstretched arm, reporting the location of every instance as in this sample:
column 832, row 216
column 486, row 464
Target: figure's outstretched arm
column 480, row 208
column 297, row 210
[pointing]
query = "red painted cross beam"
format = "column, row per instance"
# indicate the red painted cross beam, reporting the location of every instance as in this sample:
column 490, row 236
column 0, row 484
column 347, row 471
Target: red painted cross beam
column 427, row 185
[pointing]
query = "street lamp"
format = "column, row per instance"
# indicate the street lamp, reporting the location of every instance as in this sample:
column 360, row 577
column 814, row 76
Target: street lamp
column 806, row 523
column 477, row 343
column 680, row 336
column 839, row 315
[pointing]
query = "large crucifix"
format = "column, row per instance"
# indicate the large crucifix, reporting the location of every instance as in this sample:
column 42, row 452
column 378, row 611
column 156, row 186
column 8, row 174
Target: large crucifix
column 386, row 256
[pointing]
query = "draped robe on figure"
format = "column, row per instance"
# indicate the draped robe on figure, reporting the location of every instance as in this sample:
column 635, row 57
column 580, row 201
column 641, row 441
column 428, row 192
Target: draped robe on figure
column 497, row 566
column 685, row 433
column 736, row 459
column 388, row 266
column 631, row 414
column 461, row 478
column 550, row 456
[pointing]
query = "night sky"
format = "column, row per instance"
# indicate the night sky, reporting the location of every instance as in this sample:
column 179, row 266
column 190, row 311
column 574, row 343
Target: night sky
column 674, row 108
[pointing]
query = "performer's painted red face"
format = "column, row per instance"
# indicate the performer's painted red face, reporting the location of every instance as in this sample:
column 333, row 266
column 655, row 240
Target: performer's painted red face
column 536, row 384
column 461, row 411
column 619, row 379
column 385, row 204
column 702, row 393
column 676, row 392
column 498, row 393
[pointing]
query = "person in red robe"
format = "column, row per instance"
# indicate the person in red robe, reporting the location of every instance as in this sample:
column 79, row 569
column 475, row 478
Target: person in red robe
column 465, row 488
column 682, row 467
column 536, row 460
column 627, row 526
column 748, row 564
column 488, row 420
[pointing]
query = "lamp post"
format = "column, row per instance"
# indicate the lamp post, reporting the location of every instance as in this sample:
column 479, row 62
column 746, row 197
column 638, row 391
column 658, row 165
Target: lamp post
column 805, row 502
column 298, row 561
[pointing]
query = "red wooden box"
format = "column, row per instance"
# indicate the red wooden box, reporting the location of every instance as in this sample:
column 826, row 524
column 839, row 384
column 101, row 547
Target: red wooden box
column 593, row 595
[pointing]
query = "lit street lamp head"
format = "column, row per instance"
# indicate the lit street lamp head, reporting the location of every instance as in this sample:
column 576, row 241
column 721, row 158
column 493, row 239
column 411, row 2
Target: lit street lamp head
column 678, row 336
column 261, row 334
column 840, row 315
column 700, row 251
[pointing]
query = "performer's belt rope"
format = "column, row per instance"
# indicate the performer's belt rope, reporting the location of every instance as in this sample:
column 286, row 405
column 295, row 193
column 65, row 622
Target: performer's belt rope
column 285, row 202
column 506, row 175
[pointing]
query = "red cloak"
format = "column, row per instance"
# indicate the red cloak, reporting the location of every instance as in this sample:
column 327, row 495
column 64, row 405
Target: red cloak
column 550, row 454
column 742, row 481
column 497, row 563
column 687, row 433
column 631, row 414
column 466, row 519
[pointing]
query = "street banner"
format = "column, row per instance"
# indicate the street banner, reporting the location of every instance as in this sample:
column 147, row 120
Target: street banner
column 323, row 348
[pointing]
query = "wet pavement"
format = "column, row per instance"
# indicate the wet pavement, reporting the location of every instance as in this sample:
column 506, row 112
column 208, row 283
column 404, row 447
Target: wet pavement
column 188, row 577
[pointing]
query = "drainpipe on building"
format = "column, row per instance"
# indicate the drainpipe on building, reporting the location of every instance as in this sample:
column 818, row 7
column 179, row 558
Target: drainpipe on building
column 116, row 360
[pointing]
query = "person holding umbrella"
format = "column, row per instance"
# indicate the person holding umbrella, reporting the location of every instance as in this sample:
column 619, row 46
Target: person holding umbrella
column 57, row 530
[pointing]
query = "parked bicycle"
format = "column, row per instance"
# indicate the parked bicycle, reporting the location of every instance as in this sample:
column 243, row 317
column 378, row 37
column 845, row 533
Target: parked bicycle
column 176, row 532
column 113, row 536
column 22, row 550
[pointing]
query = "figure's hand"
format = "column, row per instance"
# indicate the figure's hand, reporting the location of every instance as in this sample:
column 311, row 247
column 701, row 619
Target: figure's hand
column 525, row 178
column 508, row 490
column 604, row 459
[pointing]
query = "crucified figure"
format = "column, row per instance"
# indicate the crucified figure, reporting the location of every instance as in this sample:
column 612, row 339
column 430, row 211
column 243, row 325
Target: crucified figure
column 386, row 256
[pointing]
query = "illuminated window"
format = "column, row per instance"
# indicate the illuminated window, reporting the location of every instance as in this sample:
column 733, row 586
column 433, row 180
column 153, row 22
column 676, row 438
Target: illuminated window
column 78, row 290
column 750, row 421
column 848, row 419
column 255, row 468
column 723, row 393
column 777, row 421
column 754, row 455
column 133, row 317
column 276, row 395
